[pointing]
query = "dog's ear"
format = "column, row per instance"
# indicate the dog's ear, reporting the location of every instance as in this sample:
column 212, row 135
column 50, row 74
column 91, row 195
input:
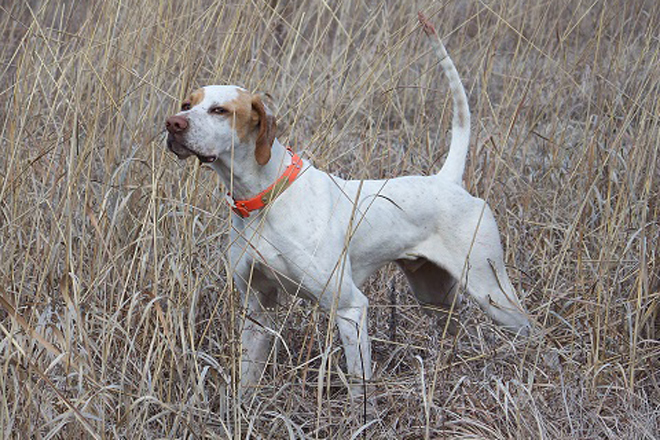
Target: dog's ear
column 265, row 124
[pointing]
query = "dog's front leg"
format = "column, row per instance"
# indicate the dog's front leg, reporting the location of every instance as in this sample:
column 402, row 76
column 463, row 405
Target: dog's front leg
column 256, row 336
column 351, row 320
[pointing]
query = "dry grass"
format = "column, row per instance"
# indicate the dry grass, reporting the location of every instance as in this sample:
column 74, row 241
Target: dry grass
column 117, row 319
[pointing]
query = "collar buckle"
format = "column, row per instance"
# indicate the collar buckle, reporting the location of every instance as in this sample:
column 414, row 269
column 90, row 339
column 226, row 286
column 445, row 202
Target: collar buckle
column 238, row 207
column 240, row 210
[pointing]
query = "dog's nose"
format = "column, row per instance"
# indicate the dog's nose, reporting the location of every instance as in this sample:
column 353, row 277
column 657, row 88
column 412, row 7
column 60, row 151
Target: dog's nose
column 176, row 124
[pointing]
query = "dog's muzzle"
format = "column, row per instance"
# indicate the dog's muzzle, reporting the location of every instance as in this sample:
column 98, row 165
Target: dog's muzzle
column 183, row 153
column 176, row 127
column 175, row 147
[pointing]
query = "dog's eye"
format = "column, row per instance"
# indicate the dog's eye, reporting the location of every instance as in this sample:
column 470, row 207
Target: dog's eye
column 218, row 110
column 185, row 107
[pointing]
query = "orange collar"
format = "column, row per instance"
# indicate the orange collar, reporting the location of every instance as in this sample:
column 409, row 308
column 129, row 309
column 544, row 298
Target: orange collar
column 243, row 208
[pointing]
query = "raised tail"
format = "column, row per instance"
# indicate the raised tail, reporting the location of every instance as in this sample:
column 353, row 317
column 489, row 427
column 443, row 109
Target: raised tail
column 460, row 126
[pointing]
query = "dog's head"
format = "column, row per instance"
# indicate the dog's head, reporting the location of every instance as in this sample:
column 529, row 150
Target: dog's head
column 215, row 118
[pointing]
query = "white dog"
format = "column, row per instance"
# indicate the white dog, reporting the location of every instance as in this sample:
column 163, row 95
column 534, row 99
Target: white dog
column 300, row 230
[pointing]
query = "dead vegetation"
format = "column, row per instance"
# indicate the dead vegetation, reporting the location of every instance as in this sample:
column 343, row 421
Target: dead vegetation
column 117, row 318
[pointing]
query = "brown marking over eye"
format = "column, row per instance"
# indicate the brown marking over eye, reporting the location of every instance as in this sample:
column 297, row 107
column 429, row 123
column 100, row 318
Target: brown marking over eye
column 248, row 117
column 196, row 97
column 239, row 112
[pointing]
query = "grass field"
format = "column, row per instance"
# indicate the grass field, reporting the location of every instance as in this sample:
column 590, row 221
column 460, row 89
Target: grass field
column 117, row 318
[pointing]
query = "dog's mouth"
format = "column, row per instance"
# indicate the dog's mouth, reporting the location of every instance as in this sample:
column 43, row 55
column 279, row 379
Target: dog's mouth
column 183, row 152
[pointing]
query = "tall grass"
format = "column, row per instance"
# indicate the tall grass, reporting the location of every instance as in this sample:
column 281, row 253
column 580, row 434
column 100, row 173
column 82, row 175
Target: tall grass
column 118, row 319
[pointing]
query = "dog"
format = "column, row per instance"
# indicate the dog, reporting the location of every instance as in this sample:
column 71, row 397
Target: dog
column 300, row 230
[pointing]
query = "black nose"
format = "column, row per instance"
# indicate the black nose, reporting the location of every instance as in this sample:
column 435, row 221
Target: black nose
column 176, row 124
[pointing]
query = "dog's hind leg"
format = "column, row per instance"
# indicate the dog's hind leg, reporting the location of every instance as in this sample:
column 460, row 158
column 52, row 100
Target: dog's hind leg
column 489, row 284
column 472, row 253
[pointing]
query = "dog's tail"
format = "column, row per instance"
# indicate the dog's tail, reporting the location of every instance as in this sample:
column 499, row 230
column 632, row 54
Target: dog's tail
column 460, row 127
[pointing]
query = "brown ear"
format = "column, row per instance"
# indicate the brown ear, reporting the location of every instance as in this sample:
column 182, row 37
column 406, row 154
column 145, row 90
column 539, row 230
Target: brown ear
column 267, row 126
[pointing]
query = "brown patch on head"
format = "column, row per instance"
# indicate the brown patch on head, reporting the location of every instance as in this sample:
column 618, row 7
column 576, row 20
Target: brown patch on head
column 267, row 128
column 196, row 97
column 239, row 111
column 249, row 118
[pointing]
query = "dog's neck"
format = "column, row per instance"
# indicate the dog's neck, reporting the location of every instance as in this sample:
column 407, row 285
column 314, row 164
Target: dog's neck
column 243, row 176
